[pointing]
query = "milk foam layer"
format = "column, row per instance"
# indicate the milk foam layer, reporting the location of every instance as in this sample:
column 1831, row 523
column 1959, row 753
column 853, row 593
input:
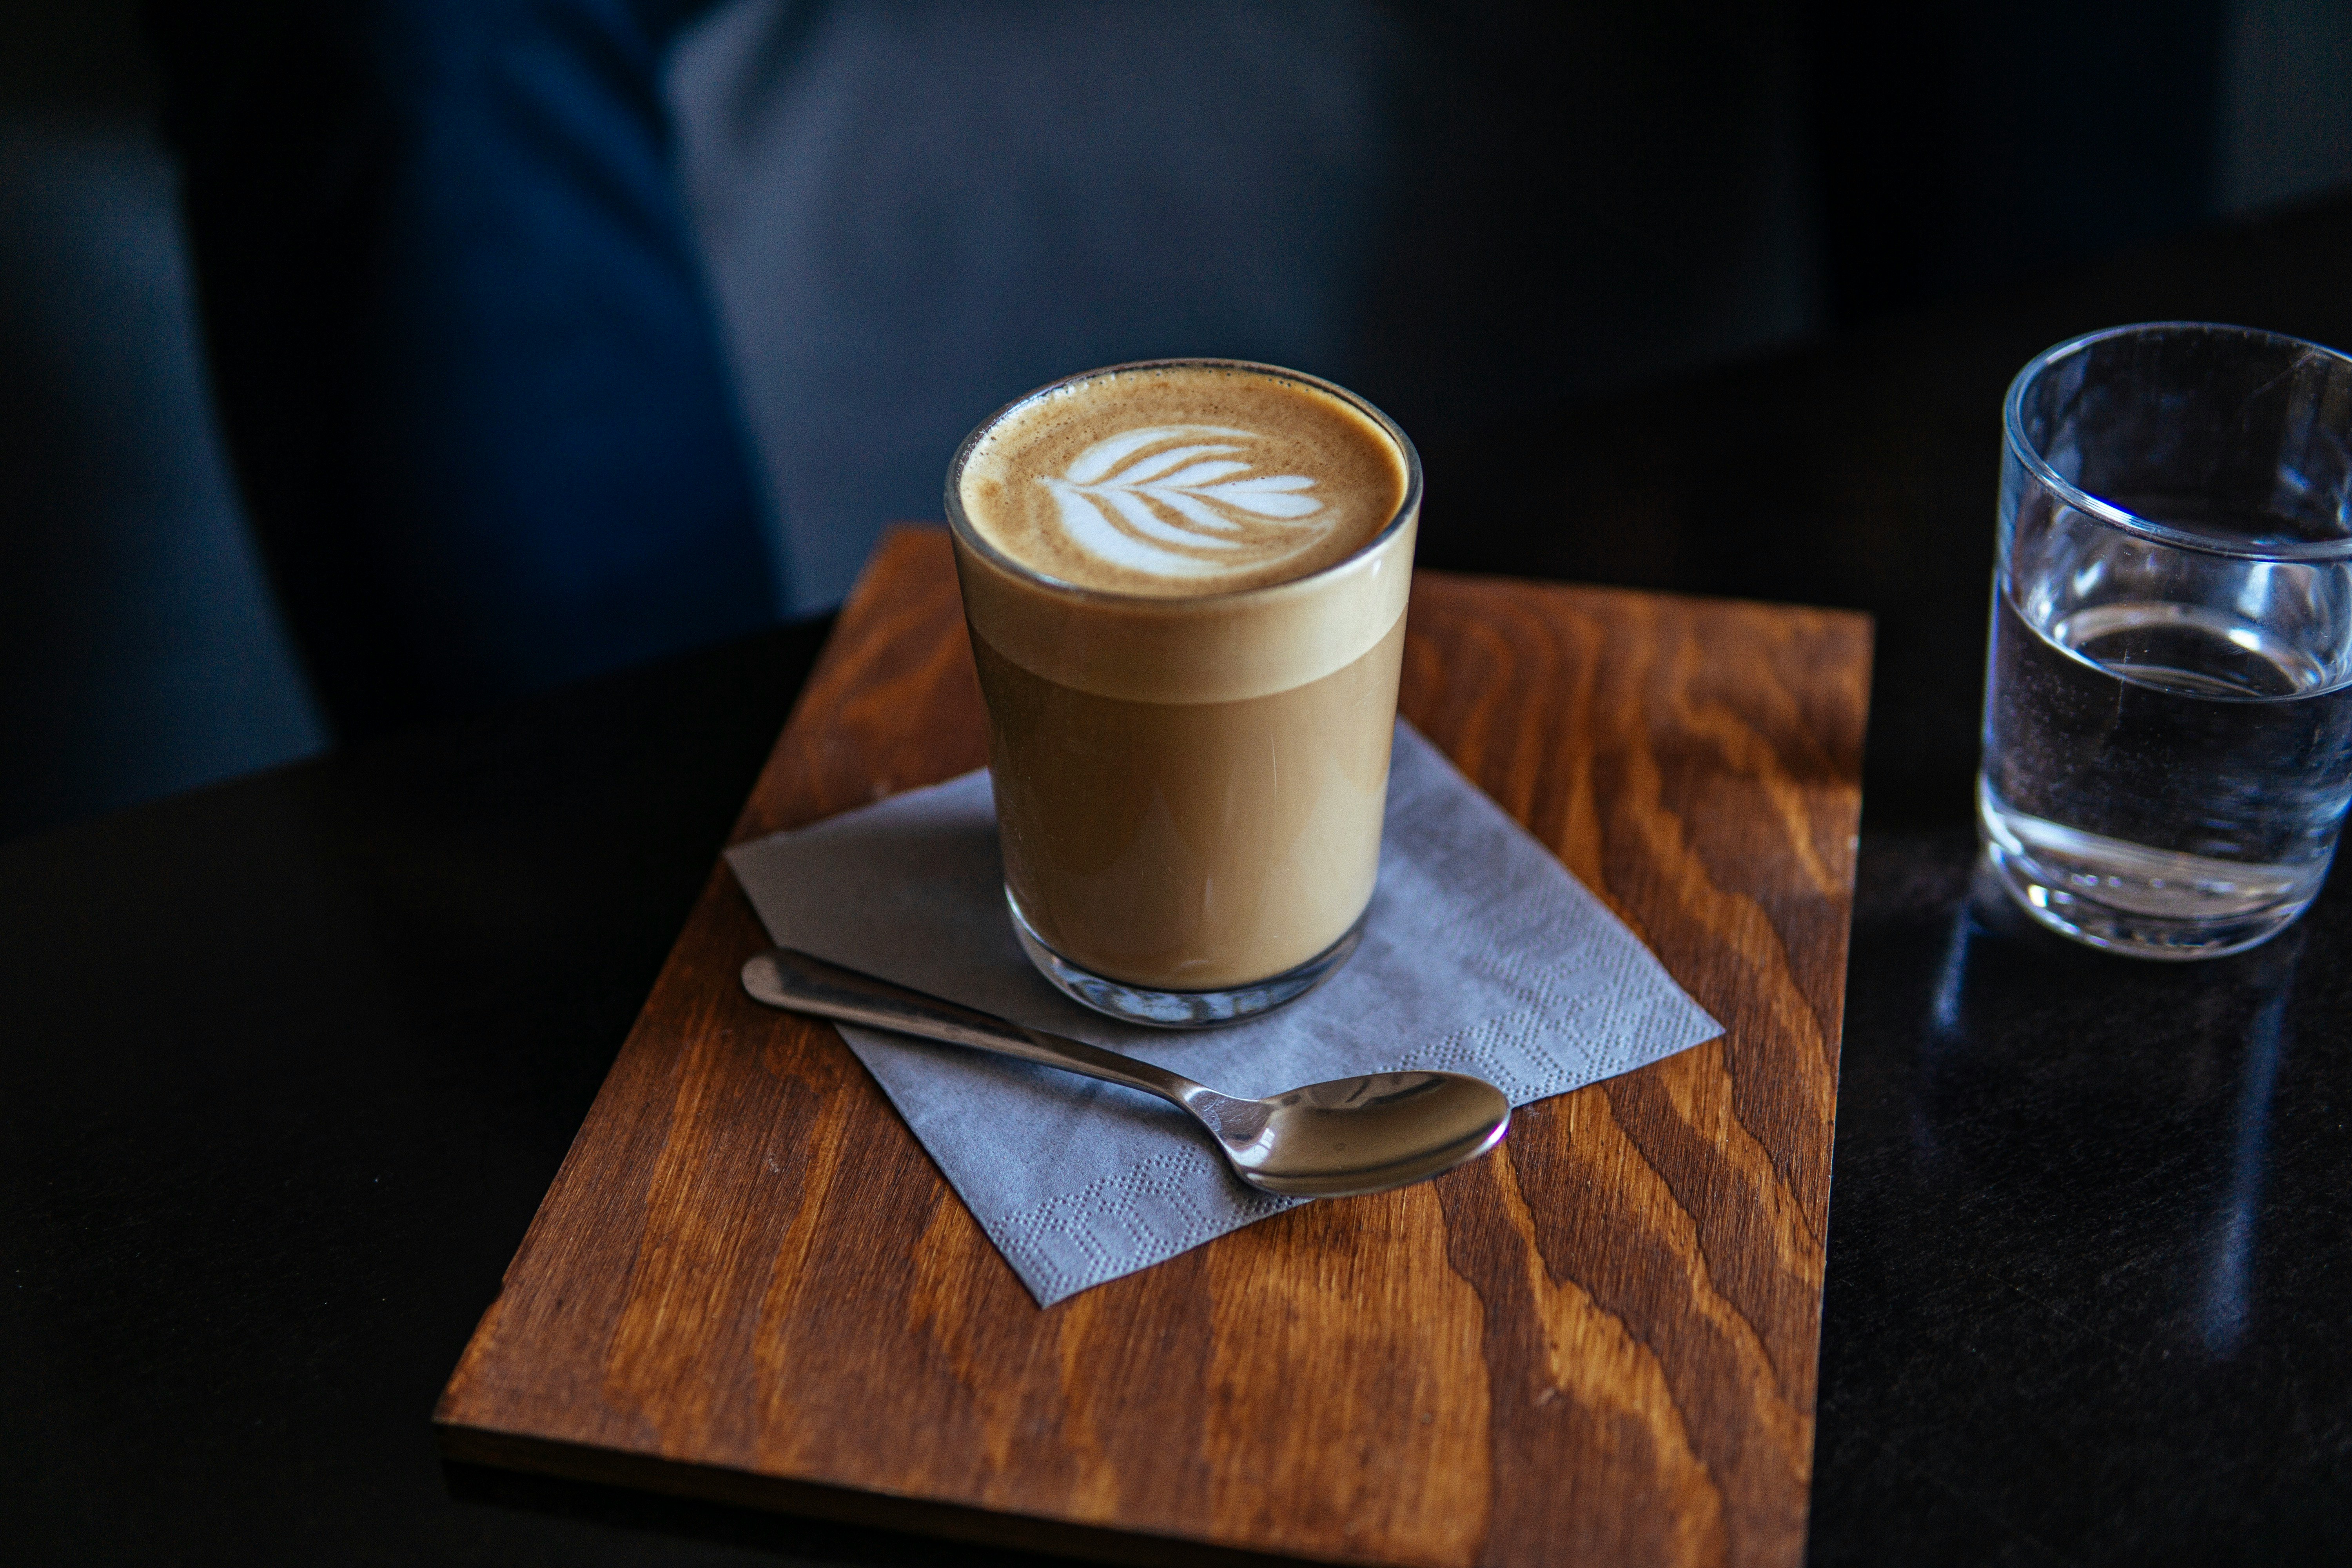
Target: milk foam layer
column 1180, row 480
column 1292, row 594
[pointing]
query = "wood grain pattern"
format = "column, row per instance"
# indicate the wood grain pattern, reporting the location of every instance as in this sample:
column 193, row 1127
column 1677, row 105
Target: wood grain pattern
column 1597, row 1346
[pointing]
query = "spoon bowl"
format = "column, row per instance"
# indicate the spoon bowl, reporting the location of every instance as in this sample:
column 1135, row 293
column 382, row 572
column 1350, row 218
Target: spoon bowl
column 1340, row 1139
column 1371, row 1134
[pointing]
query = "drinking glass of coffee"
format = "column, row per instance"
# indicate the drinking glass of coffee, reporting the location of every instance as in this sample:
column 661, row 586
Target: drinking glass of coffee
column 1185, row 582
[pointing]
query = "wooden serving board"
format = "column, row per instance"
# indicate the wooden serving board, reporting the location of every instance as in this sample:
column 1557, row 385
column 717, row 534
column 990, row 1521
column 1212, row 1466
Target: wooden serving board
column 1597, row 1345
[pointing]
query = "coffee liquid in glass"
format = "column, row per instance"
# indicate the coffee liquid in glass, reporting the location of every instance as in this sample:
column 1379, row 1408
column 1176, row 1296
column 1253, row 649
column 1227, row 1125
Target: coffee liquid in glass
column 1185, row 583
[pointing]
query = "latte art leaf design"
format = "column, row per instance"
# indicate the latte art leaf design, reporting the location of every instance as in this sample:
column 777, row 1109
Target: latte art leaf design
column 1170, row 500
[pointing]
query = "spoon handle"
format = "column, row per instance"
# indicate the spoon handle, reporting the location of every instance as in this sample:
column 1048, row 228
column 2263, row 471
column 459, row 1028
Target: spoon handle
column 785, row 977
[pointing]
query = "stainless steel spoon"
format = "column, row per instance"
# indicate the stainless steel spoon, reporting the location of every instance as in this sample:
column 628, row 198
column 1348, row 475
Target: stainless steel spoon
column 1326, row 1140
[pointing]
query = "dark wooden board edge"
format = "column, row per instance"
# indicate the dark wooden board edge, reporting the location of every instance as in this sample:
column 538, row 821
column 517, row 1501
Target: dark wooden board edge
column 465, row 1444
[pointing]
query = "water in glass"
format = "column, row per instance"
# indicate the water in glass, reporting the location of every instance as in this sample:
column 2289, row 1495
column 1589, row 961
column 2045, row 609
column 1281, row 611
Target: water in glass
column 2167, row 743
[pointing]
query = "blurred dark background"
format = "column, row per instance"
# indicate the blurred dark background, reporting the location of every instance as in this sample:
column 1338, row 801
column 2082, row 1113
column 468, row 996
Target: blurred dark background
column 1529, row 211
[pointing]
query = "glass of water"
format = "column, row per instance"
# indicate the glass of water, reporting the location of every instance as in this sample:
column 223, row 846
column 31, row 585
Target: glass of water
column 2168, row 722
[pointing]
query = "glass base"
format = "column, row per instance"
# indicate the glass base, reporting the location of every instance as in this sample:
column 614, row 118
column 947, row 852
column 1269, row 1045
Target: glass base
column 2104, row 893
column 1180, row 1009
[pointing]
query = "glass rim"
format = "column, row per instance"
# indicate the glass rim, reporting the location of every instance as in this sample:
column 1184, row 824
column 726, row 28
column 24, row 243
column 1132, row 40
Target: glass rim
column 961, row 526
column 2123, row 517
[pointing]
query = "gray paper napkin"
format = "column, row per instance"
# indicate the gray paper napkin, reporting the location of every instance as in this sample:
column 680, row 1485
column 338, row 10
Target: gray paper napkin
column 1483, row 955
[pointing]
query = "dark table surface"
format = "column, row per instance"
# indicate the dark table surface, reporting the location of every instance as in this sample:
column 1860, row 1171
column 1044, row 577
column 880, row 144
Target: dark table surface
column 287, row 1064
